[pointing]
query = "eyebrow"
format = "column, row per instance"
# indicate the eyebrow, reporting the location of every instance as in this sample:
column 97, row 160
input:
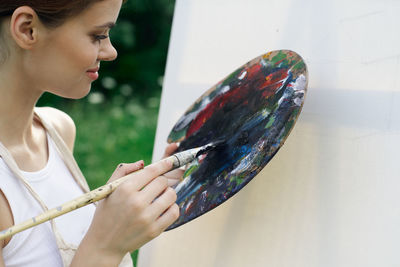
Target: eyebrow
column 107, row 25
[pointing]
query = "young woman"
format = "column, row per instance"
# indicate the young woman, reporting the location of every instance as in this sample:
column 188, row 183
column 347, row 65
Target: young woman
column 57, row 46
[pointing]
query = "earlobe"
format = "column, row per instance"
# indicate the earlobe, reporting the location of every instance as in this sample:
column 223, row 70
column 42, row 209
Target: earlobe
column 23, row 27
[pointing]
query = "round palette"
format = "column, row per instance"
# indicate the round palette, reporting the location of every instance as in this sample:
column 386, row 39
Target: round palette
column 249, row 114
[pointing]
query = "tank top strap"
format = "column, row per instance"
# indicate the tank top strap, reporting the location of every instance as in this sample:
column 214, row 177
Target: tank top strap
column 65, row 152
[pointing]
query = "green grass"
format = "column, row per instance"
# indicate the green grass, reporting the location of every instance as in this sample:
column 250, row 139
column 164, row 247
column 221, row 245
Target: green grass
column 112, row 133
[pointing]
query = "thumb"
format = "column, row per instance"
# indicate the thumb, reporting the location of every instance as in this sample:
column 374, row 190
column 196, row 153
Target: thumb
column 170, row 149
column 124, row 169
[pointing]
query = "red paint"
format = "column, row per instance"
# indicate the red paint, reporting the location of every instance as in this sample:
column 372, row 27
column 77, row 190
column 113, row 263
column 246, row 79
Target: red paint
column 253, row 70
column 239, row 95
column 273, row 82
column 274, row 78
column 232, row 96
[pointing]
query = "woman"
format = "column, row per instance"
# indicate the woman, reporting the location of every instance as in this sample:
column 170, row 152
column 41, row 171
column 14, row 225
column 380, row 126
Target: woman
column 57, row 46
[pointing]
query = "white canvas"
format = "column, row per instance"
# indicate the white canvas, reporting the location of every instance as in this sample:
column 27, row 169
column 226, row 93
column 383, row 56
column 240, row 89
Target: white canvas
column 330, row 196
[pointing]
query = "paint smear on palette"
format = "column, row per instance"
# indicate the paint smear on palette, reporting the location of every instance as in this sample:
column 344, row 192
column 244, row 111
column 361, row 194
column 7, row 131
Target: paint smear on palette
column 252, row 111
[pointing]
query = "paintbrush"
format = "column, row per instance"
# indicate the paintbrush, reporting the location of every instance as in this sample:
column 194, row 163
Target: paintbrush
column 178, row 160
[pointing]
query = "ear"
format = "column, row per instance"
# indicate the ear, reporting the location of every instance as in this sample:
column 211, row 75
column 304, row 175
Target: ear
column 24, row 26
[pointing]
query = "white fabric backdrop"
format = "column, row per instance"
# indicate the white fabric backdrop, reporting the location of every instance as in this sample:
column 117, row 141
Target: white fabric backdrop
column 330, row 196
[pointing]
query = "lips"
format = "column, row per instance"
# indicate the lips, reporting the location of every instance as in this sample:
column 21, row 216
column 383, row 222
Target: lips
column 93, row 73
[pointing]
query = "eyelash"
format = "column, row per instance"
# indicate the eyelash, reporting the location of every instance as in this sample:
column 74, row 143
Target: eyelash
column 98, row 38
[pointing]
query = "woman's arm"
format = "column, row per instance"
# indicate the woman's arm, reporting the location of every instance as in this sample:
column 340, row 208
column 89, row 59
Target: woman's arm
column 6, row 221
column 139, row 210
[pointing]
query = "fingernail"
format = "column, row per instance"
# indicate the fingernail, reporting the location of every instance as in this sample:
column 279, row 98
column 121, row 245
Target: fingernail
column 171, row 160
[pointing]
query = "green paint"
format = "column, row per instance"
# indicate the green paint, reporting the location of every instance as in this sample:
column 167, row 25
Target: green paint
column 195, row 107
column 231, row 77
column 299, row 66
column 191, row 169
column 239, row 179
column 270, row 122
column 175, row 136
column 278, row 57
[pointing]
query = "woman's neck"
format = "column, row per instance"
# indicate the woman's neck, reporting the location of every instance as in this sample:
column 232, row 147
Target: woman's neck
column 17, row 101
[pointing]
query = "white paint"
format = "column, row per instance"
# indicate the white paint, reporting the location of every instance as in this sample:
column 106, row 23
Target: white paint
column 330, row 196
column 242, row 75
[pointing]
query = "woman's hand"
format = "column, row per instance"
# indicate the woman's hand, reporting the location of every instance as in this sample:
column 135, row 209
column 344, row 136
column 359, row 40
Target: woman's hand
column 175, row 176
column 139, row 210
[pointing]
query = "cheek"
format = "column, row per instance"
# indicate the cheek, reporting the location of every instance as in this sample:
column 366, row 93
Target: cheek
column 67, row 62
column 79, row 54
column 61, row 69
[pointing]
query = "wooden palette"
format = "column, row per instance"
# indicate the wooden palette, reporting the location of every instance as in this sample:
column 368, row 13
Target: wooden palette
column 253, row 111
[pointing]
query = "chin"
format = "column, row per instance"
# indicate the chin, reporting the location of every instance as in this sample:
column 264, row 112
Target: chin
column 85, row 93
column 76, row 93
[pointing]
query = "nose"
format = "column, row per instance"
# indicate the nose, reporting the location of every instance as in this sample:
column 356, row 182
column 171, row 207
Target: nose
column 107, row 51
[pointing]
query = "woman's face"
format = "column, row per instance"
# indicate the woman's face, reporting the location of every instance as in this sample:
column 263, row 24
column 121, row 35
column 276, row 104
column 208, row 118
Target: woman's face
column 66, row 59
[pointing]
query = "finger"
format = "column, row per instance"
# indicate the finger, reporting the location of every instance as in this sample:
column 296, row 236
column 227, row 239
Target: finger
column 168, row 218
column 154, row 189
column 141, row 178
column 170, row 149
column 174, row 176
column 163, row 202
column 124, row 169
column 173, row 182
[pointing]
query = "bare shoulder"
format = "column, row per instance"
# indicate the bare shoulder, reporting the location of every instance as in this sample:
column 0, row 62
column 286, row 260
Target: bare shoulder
column 62, row 122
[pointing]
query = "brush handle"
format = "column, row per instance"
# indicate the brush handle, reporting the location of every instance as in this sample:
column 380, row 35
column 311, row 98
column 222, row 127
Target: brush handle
column 178, row 160
column 81, row 201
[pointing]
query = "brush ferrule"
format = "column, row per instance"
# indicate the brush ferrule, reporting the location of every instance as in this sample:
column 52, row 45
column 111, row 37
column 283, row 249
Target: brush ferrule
column 185, row 157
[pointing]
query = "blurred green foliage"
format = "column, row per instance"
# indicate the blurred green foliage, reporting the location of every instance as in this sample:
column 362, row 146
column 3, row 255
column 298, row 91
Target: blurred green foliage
column 116, row 122
column 108, row 135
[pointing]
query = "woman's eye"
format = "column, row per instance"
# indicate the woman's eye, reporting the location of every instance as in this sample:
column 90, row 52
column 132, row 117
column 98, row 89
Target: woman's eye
column 99, row 37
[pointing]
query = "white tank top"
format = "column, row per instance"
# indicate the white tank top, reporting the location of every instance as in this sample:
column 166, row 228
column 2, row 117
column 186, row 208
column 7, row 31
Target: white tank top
column 51, row 244
column 55, row 185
